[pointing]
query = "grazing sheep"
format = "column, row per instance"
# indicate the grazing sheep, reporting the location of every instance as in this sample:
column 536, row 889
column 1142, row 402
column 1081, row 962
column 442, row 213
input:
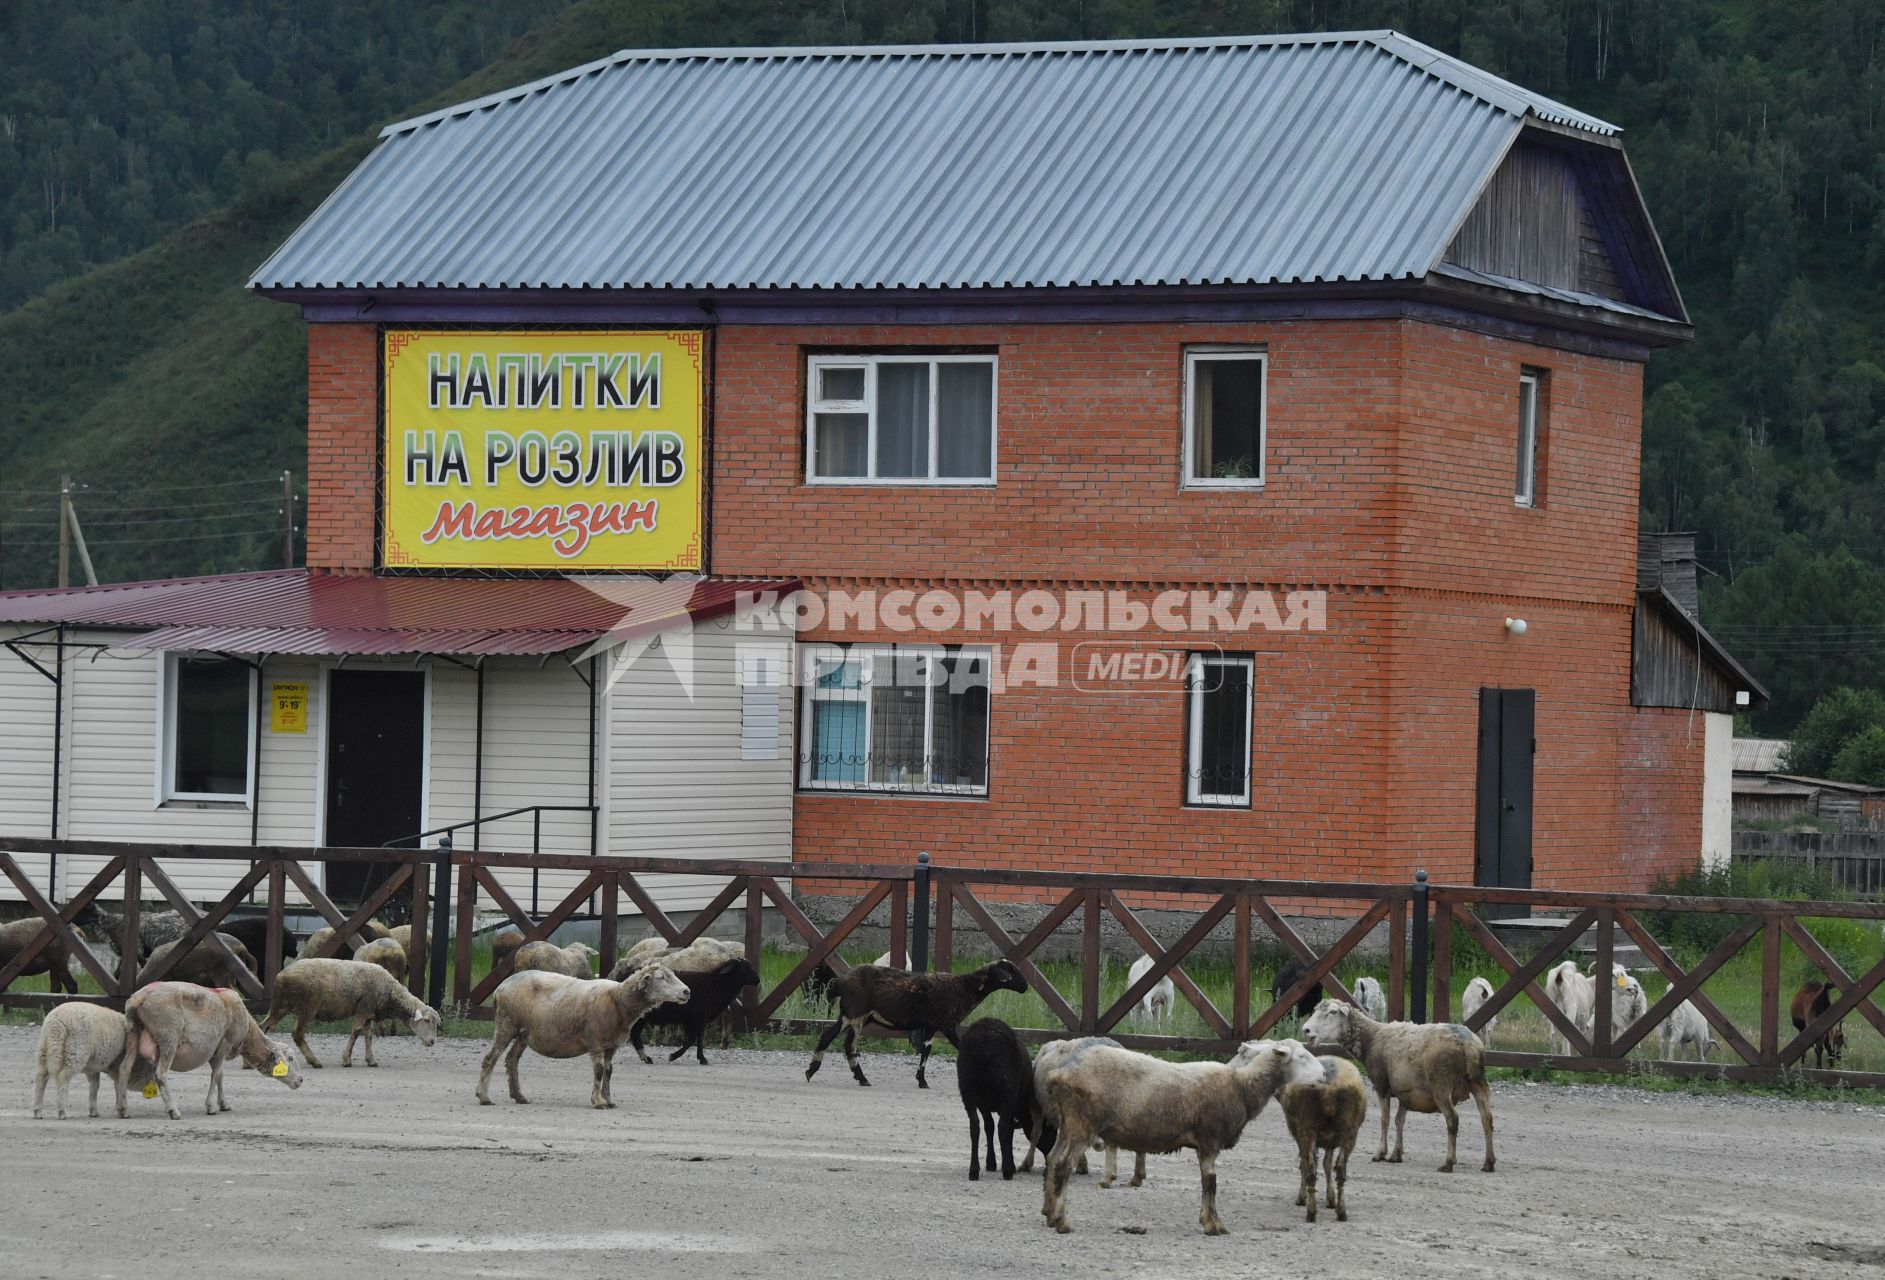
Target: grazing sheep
column 402, row 934
column 79, row 1037
column 1370, row 999
column 1144, row 1104
column 1156, row 1003
column 1423, row 1067
column 321, row 937
column 1050, row 1057
column 996, row 1082
column 709, row 995
column 572, row 961
column 561, row 1017
column 1289, row 976
column 920, row 1003
column 1809, row 1002
column 1327, row 1117
column 699, row 956
column 1685, row 1025
column 387, row 954
column 317, row 989
column 52, row 959
column 180, row 1026
column 200, row 965
column 505, row 945
column 1477, row 992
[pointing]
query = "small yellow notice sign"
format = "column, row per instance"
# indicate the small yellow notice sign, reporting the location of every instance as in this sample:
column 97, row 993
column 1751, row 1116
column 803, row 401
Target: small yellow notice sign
column 290, row 713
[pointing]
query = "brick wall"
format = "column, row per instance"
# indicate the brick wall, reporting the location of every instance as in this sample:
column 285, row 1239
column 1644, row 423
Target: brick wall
column 343, row 443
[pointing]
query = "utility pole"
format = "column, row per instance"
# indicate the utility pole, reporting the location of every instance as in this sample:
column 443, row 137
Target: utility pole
column 65, row 531
column 70, row 535
column 287, row 519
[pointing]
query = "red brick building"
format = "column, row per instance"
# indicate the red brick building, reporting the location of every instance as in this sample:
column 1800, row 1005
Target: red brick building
column 1332, row 334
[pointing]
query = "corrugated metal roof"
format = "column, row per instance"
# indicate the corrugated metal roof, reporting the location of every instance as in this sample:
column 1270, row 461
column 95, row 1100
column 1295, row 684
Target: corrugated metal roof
column 1758, row 755
column 1230, row 161
column 297, row 611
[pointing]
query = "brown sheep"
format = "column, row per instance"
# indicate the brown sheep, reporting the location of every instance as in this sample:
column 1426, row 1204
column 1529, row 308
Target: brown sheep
column 1809, row 1002
column 199, row 965
column 920, row 1003
column 504, row 945
column 1325, row 1117
column 1423, row 1067
column 51, row 960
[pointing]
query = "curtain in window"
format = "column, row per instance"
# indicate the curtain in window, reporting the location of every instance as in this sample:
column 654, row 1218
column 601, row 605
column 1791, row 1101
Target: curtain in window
column 959, row 724
column 903, row 420
column 965, row 413
column 843, row 444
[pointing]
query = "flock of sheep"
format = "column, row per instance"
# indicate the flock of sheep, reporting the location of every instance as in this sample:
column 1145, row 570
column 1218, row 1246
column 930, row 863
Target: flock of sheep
column 1072, row 1097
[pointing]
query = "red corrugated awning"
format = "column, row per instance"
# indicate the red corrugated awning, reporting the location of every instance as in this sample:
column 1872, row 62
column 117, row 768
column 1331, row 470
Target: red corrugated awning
column 301, row 611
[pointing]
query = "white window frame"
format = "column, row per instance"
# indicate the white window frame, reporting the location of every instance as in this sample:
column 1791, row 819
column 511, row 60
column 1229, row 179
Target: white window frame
column 866, row 655
column 1195, row 691
column 1194, row 356
column 869, row 363
column 165, row 788
column 1525, row 485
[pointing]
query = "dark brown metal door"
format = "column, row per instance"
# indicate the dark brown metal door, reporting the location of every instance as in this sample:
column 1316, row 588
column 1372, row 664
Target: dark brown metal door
column 1503, row 831
column 375, row 768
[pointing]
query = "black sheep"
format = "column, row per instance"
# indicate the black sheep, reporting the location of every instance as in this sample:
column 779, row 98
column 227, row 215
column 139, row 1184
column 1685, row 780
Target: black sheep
column 252, row 932
column 709, row 994
column 996, row 1081
column 1291, row 974
column 920, row 1003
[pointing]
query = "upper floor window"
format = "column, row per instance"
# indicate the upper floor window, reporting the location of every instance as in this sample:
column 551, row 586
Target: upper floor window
column 895, row 718
column 1530, row 393
column 904, row 419
column 1224, row 416
column 208, row 729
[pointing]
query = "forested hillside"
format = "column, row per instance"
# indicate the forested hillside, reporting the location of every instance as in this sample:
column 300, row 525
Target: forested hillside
column 1755, row 129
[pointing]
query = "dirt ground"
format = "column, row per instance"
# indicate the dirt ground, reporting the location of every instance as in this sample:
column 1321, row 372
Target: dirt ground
column 745, row 1169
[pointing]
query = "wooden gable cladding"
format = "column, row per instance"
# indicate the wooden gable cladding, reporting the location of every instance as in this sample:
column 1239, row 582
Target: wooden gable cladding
column 1533, row 222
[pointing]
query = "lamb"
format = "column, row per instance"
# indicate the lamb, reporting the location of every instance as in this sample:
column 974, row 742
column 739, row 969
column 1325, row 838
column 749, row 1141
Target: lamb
column 710, row 992
column 1289, row 976
column 1477, row 992
column 52, row 959
column 1685, row 1025
column 180, row 1026
column 1326, row 1117
column 571, row 961
column 321, row 937
column 1048, row 1058
column 1156, row 1003
column 1370, row 999
column 920, row 1003
column 561, row 1017
column 200, row 965
column 1809, row 1002
column 387, row 954
column 79, row 1037
column 1144, row 1104
column 1423, row 1067
column 996, row 1082
column 317, row 989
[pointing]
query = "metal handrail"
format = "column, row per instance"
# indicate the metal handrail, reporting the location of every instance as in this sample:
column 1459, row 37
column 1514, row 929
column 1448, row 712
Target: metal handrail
column 538, row 809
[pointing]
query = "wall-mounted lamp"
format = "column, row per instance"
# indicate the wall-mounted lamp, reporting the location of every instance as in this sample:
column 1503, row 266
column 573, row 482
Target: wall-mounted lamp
column 1742, row 698
column 1516, row 626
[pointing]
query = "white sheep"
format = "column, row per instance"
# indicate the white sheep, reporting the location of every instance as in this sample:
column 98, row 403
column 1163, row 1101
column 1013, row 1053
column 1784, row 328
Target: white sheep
column 703, row 955
column 1686, row 1025
column 1477, row 992
column 1048, row 1058
column 562, row 1017
column 1370, row 999
column 178, row 1026
column 79, row 1037
column 572, row 961
column 1159, row 1001
column 1575, row 992
column 318, row 989
column 1144, row 1104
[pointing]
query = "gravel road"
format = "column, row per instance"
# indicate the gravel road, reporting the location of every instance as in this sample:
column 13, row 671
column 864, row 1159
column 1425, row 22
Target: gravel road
column 745, row 1169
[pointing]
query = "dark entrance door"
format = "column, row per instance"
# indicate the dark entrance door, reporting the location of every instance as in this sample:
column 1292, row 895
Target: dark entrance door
column 375, row 769
column 1504, row 826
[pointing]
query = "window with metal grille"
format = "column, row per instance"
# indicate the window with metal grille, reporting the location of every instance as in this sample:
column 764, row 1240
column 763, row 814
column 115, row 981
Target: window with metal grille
column 895, row 718
column 1217, row 757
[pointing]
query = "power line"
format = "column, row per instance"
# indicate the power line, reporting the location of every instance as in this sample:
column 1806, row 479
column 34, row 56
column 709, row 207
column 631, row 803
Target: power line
column 163, row 537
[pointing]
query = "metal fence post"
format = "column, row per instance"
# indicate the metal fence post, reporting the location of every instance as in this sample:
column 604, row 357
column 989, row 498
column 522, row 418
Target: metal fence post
column 1418, row 979
column 441, row 920
column 919, row 940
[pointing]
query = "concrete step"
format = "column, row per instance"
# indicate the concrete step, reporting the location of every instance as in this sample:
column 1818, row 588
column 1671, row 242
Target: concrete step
column 1525, row 934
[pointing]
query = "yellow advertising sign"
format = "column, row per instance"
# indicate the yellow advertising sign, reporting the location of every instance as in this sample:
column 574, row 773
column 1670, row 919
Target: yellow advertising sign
column 290, row 706
column 576, row 450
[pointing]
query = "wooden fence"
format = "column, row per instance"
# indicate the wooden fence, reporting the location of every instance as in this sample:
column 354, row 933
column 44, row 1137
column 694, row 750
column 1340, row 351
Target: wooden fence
column 932, row 910
column 1853, row 860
